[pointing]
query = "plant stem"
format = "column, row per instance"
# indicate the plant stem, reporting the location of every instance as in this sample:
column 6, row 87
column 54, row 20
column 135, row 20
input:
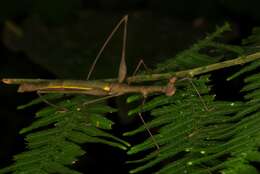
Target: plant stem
column 146, row 77
column 196, row 71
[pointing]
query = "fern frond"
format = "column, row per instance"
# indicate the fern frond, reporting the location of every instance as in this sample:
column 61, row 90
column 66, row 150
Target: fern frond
column 249, row 127
column 195, row 140
column 40, row 100
column 197, row 54
column 195, row 132
column 254, row 39
column 54, row 139
column 202, row 137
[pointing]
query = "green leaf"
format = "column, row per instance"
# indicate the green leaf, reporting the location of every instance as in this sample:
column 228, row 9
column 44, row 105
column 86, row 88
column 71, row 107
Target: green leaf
column 53, row 143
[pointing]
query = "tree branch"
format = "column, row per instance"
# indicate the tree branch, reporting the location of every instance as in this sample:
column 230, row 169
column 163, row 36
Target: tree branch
column 196, row 71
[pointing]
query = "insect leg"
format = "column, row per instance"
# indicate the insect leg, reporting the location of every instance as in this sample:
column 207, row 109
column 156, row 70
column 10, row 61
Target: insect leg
column 122, row 67
column 197, row 91
column 141, row 62
column 49, row 103
column 100, row 99
column 123, row 20
column 146, row 127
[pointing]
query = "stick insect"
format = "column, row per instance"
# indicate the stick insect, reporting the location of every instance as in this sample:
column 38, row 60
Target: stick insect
column 98, row 88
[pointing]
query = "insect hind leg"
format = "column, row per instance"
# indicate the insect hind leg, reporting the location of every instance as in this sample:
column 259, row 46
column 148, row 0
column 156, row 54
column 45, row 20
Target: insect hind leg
column 147, row 128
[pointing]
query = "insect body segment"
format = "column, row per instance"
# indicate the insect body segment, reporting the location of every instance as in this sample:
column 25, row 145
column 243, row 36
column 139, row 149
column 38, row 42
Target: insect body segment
column 98, row 88
column 89, row 87
column 170, row 89
column 107, row 88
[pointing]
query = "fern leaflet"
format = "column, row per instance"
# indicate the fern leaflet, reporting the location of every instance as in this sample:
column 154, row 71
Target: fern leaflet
column 54, row 139
column 195, row 140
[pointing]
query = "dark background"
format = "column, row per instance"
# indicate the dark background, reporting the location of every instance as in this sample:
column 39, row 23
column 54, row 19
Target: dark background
column 60, row 38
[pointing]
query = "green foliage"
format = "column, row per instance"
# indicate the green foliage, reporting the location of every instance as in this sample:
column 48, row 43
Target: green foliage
column 201, row 136
column 200, row 53
column 54, row 138
column 193, row 139
column 196, row 133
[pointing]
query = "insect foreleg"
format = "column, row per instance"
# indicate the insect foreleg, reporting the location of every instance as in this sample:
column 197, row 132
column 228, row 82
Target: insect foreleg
column 123, row 20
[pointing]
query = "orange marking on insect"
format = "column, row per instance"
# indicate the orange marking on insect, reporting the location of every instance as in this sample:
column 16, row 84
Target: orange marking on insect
column 69, row 87
column 106, row 88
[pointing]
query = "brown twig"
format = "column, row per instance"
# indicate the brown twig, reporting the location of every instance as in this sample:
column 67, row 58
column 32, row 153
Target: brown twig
column 195, row 71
